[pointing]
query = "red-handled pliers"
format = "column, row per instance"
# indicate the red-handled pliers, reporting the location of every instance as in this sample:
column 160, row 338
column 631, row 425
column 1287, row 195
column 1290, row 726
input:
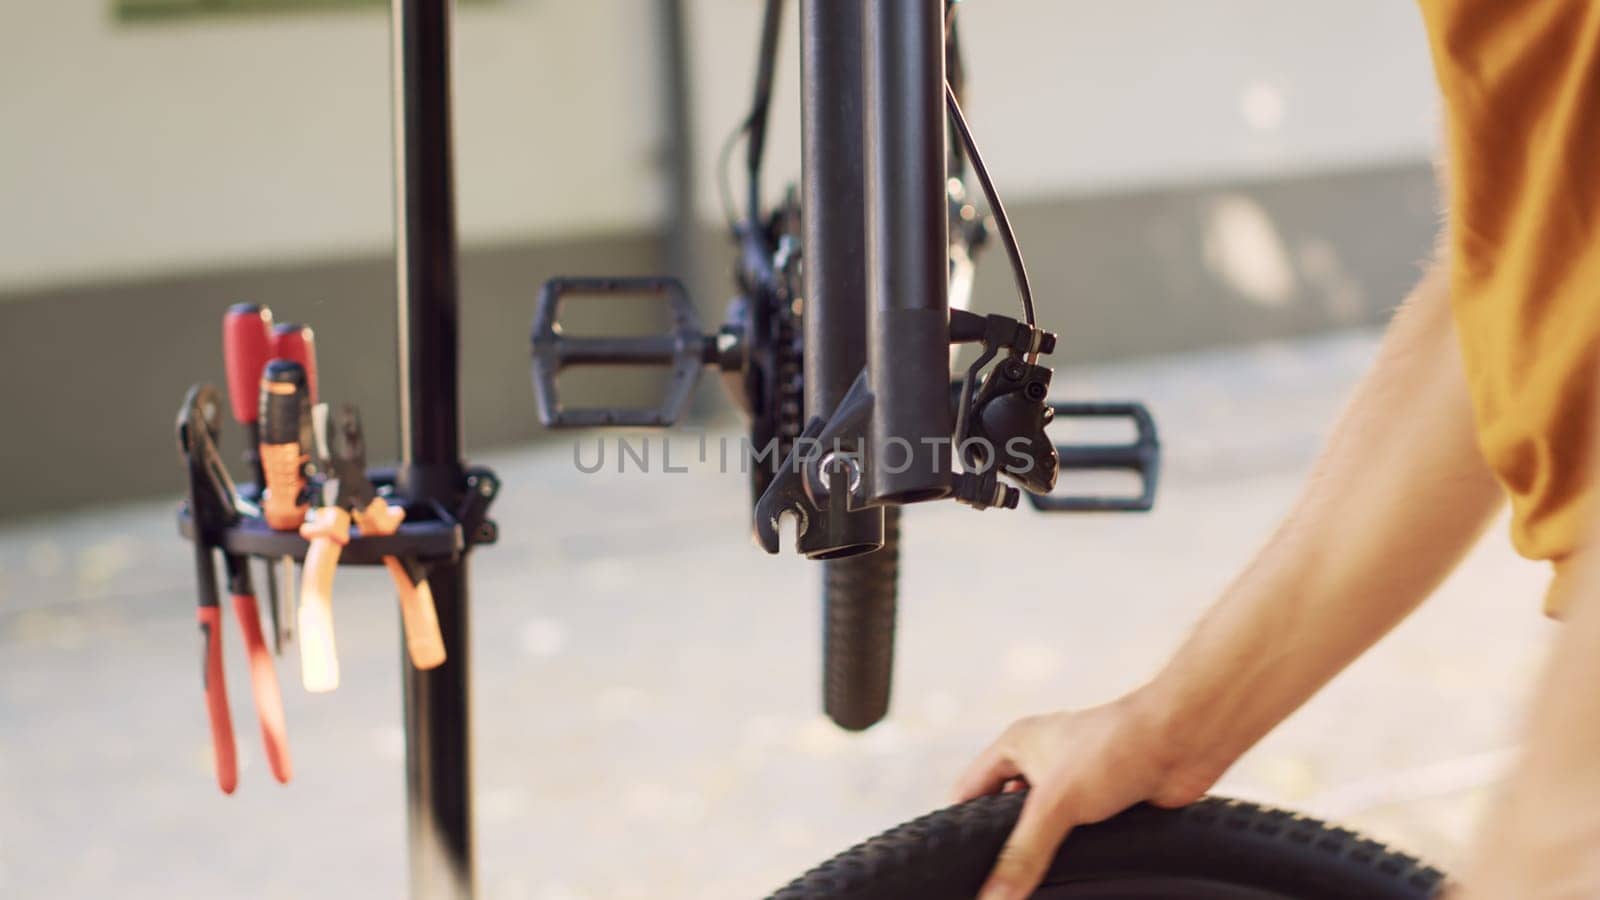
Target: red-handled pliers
column 213, row 506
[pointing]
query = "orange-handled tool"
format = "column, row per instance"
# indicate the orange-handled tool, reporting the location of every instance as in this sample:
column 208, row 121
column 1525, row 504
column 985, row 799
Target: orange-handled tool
column 328, row 531
column 419, row 618
column 285, row 443
column 348, row 495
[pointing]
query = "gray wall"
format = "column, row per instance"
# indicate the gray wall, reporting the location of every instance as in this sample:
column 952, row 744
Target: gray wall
column 137, row 150
column 94, row 373
column 1182, row 174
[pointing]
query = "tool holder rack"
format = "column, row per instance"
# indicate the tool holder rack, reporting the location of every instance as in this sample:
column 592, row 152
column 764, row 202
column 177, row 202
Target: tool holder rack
column 446, row 501
column 430, row 533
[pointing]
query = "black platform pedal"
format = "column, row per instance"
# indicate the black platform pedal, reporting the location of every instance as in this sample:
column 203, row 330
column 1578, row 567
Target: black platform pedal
column 1142, row 456
column 683, row 349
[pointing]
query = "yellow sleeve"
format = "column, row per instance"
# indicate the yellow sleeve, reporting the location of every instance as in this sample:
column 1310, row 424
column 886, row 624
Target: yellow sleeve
column 1521, row 84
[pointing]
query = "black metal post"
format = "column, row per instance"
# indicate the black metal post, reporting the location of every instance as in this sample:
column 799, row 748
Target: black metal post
column 437, row 702
column 833, row 205
column 908, row 250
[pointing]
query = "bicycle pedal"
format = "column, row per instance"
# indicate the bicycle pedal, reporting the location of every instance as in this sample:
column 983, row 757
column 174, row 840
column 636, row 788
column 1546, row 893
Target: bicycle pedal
column 684, row 349
column 1141, row 456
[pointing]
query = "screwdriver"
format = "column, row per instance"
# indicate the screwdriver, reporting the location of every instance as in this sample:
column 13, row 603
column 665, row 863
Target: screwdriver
column 246, row 347
column 247, row 344
column 296, row 343
column 286, row 446
column 285, row 413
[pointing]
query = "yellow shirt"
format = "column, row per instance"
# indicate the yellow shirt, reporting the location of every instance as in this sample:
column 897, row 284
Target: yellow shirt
column 1521, row 84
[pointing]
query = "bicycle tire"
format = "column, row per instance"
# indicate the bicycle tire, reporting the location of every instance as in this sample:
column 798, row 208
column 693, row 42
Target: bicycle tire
column 1212, row 848
column 858, row 610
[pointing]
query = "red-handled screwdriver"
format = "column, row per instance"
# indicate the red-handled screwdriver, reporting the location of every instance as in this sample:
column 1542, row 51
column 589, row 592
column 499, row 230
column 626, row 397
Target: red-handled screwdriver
column 247, row 345
column 296, row 342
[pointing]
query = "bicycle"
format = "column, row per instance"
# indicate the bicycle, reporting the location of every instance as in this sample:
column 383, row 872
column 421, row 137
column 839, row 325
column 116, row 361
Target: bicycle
column 840, row 358
column 834, row 373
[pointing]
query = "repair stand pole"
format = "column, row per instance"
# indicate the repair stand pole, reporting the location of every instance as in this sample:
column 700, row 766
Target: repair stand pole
column 437, row 720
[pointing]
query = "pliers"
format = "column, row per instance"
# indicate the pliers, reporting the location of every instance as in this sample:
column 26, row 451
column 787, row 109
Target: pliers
column 214, row 505
column 349, row 497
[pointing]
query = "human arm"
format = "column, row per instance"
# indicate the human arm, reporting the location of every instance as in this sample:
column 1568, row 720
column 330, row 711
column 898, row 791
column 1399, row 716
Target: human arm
column 1398, row 496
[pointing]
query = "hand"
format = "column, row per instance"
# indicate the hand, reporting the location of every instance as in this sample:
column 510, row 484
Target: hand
column 1081, row 767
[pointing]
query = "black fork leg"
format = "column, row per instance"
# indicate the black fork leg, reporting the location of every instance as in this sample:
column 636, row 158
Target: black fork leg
column 834, row 211
column 858, row 592
column 907, row 250
column 833, row 204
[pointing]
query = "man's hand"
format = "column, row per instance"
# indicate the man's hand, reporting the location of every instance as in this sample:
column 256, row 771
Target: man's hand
column 1081, row 767
column 1398, row 496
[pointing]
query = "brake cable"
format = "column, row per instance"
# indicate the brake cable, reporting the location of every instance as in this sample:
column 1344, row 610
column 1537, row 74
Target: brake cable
column 754, row 129
column 756, row 125
column 1002, row 221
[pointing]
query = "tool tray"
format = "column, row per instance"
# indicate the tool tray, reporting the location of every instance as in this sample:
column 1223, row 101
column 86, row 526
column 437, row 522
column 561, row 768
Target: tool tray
column 429, row 534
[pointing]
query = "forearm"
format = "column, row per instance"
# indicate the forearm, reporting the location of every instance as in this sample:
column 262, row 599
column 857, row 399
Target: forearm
column 1399, row 494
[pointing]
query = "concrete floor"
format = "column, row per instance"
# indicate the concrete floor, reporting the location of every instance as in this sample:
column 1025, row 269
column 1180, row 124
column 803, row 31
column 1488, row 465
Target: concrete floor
column 646, row 680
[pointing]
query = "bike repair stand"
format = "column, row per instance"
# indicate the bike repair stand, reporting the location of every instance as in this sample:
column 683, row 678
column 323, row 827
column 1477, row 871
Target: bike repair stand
column 445, row 502
column 437, row 702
